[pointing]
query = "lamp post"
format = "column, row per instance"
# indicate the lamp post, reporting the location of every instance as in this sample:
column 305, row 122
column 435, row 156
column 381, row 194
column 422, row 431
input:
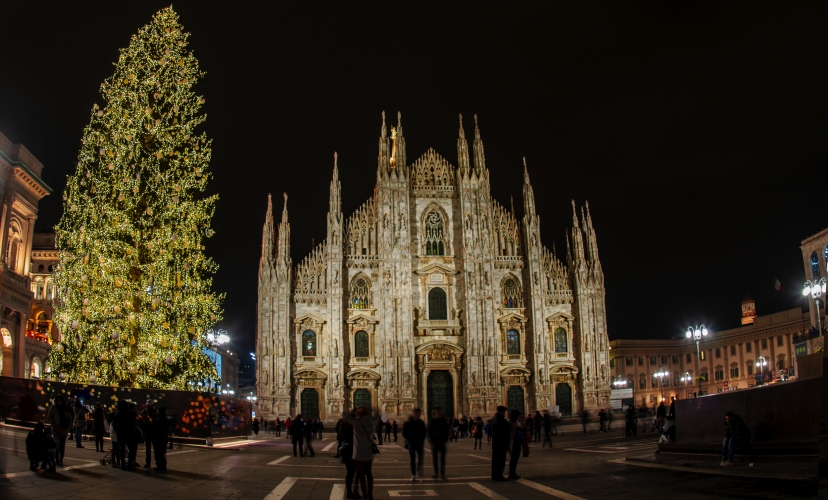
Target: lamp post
column 686, row 378
column 762, row 362
column 661, row 374
column 815, row 289
column 696, row 333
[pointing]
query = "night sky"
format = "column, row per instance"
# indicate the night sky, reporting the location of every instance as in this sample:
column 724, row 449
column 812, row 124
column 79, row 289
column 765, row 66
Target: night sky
column 696, row 130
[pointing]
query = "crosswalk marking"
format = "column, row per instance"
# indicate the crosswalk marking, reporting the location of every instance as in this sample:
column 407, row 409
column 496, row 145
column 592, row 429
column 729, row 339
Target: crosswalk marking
column 338, row 492
column 281, row 490
column 486, row 491
column 549, row 491
column 328, row 448
column 279, row 460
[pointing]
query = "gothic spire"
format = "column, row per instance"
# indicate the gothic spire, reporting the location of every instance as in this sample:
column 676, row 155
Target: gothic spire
column 592, row 245
column 383, row 160
column 283, row 249
column 462, row 152
column 336, row 189
column 528, row 194
column 266, row 261
column 577, row 241
column 479, row 155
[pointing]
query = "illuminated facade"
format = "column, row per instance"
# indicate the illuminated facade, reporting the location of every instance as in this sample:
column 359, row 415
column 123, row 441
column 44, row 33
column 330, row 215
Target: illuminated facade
column 431, row 294
column 21, row 189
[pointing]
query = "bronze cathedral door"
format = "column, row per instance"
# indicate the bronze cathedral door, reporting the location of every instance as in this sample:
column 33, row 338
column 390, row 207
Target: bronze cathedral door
column 441, row 393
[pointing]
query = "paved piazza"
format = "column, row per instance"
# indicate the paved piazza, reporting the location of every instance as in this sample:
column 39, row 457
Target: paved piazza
column 580, row 466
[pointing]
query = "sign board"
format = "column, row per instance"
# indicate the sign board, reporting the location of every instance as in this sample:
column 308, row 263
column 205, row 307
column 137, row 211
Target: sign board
column 621, row 394
column 384, row 417
column 725, row 386
column 801, row 349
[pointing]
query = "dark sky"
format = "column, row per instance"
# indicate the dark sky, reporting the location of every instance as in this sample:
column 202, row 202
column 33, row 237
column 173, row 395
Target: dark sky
column 696, row 130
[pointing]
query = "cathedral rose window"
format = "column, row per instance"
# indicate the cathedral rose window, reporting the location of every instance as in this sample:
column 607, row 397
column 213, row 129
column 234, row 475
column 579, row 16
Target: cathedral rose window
column 360, row 294
column 434, row 234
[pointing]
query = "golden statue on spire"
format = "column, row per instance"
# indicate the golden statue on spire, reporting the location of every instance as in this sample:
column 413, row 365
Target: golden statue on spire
column 393, row 148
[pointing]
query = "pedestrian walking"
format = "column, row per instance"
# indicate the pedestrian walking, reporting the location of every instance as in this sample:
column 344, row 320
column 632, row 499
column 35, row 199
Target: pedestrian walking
column 501, row 441
column 277, row 426
column 516, row 440
column 79, row 422
column 438, row 434
column 117, row 456
column 60, row 419
column 287, row 427
column 264, row 425
column 672, row 406
column 340, row 438
column 414, row 434
column 661, row 415
column 527, row 437
column 364, row 448
column 487, row 429
column 602, row 420
column 310, row 435
column 388, row 430
column 36, row 446
column 296, row 433
column 98, row 427
column 319, row 427
column 584, row 417
column 631, row 422
column 345, row 434
column 145, row 422
column 609, row 419
column 378, row 427
column 255, row 427
column 50, row 446
column 548, row 425
column 478, row 432
column 394, row 430
column 160, row 429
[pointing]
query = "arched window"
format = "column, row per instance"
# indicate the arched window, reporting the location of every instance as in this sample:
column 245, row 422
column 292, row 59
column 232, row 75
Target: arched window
column 437, row 308
column 642, row 382
column 36, row 369
column 309, row 343
column 434, row 234
column 511, row 294
column 361, row 349
column 512, row 342
column 815, row 265
column 561, row 341
column 360, row 294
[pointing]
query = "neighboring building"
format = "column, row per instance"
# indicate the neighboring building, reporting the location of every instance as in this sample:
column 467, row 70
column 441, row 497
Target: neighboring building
column 227, row 366
column 21, row 189
column 45, row 259
column 432, row 294
column 730, row 359
column 814, row 258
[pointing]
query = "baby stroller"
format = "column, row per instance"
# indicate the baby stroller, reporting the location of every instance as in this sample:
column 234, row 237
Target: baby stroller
column 107, row 459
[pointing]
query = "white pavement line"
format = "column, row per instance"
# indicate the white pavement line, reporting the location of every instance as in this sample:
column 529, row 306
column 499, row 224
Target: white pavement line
column 281, row 490
column 32, row 473
column 486, row 491
column 699, row 470
column 549, row 491
column 412, row 493
column 279, row 460
column 478, row 456
column 328, row 448
column 179, row 452
column 338, row 492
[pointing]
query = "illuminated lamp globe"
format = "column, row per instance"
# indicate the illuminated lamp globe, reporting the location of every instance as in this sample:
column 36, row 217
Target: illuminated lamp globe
column 704, row 331
column 689, row 333
column 806, row 291
column 92, row 379
column 62, row 376
column 59, row 347
column 169, row 360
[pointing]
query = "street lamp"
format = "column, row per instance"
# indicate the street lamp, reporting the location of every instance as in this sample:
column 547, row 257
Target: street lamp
column 686, row 378
column 696, row 333
column 762, row 362
column 661, row 374
column 815, row 289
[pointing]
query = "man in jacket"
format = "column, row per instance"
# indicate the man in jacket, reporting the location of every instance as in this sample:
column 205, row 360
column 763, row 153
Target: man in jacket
column 501, row 431
column 414, row 433
column 631, row 421
column 60, row 418
column 438, row 434
column 736, row 434
column 296, row 432
column 146, row 420
column 661, row 415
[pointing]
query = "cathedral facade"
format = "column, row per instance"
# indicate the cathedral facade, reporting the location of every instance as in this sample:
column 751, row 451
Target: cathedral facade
column 431, row 294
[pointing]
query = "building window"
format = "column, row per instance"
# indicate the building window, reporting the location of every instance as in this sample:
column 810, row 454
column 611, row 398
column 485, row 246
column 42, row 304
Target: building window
column 654, row 382
column 630, row 382
column 629, row 361
column 748, row 347
column 36, row 371
column 779, row 341
column 434, row 234
column 653, row 360
column 702, row 353
column 703, row 376
column 676, row 379
column 781, row 363
column 511, row 294
column 750, row 368
column 360, row 294
column 560, row 341
column 675, row 359
column 764, row 343
column 733, row 350
column 361, row 347
column 734, row 372
column 640, row 361
column 719, row 374
column 512, row 342
column 309, row 343
column 815, row 265
column 718, row 352
column 437, row 308
column 612, row 363
column 663, row 360
column 688, row 358
column 642, row 382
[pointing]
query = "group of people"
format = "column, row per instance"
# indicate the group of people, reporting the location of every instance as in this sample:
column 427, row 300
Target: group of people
column 46, row 443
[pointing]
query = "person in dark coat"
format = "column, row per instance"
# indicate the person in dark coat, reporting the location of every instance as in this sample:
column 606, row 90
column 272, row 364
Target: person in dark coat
column 310, row 434
column 438, row 434
column 345, row 437
column 737, row 433
column 672, row 407
column 516, row 440
column 631, row 421
column 255, row 426
column 159, row 434
column 602, row 419
column 145, row 422
column 126, row 426
column 414, row 433
column 36, row 446
column 584, row 418
column 501, row 431
column 296, row 431
column 339, row 438
column 98, row 428
column 60, row 419
column 394, row 430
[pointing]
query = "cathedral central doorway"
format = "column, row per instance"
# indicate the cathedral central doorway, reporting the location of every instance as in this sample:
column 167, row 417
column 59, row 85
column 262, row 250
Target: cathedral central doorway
column 515, row 399
column 563, row 398
column 362, row 397
column 441, row 393
column 310, row 404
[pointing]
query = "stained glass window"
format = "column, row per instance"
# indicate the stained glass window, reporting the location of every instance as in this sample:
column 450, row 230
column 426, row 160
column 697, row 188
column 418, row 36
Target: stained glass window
column 512, row 342
column 360, row 294
column 815, row 265
column 511, row 294
column 361, row 344
column 437, row 308
column 309, row 343
column 561, row 343
column 434, row 234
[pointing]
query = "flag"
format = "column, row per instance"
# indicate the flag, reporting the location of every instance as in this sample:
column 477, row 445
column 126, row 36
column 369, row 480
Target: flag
column 778, row 286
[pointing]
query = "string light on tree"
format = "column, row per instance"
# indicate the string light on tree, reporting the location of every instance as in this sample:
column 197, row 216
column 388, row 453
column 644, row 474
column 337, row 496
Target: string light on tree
column 136, row 284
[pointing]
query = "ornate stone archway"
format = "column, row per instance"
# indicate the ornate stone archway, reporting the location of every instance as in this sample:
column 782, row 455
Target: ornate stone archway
column 515, row 377
column 433, row 356
column 315, row 379
column 363, row 379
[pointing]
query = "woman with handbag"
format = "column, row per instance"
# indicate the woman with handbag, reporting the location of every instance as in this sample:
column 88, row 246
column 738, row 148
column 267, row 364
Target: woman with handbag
column 364, row 448
column 346, row 454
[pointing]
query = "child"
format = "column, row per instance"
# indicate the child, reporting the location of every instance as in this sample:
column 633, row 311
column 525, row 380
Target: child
column 51, row 450
column 35, row 449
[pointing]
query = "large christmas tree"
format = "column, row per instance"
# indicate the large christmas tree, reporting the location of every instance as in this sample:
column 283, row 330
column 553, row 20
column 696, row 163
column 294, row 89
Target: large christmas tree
column 134, row 284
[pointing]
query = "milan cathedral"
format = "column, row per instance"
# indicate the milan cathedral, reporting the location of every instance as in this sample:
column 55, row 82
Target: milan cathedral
column 431, row 294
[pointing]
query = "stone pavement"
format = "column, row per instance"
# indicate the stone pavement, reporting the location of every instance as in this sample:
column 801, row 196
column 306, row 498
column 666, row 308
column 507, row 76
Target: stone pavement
column 579, row 466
